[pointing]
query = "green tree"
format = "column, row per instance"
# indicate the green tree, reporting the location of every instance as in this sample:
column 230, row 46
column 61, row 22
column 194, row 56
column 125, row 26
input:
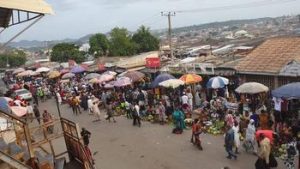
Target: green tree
column 145, row 40
column 15, row 58
column 63, row 52
column 121, row 43
column 99, row 45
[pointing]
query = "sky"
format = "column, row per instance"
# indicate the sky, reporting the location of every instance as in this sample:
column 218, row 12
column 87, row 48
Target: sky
column 77, row 18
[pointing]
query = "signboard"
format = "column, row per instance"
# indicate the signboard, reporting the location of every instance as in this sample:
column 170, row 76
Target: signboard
column 153, row 62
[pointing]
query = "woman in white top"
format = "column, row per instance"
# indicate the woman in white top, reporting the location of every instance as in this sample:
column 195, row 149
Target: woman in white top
column 190, row 100
column 90, row 105
column 237, row 141
column 96, row 110
column 59, row 100
column 29, row 112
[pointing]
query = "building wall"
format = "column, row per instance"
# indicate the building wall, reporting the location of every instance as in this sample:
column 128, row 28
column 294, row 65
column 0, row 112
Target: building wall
column 272, row 82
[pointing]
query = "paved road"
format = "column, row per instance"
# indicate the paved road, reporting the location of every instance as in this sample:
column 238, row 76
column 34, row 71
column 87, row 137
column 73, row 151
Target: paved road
column 153, row 146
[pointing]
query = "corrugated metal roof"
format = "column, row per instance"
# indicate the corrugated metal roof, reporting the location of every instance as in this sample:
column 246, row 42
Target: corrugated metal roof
column 271, row 56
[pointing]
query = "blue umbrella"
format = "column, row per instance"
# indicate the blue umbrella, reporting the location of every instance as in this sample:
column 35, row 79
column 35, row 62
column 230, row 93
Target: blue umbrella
column 4, row 104
column 289, row 91
column 217, row 82
column 160, row 78
column 77, row 69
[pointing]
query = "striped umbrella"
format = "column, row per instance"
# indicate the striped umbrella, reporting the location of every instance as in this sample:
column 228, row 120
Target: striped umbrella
column 217, row 82
column 191, row 78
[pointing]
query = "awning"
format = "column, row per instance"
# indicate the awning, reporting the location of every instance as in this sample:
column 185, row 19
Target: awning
column 35, row 6
column 7, row 8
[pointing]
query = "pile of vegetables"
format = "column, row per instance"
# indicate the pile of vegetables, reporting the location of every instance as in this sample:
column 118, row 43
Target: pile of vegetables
column 188, row 122
column 281, row 151
column 216, row 128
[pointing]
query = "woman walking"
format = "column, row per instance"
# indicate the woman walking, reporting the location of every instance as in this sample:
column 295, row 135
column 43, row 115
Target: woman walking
column 109, row 111
column 237, row 142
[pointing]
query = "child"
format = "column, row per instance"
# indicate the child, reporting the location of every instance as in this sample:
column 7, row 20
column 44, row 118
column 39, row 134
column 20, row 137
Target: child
column 196, row 131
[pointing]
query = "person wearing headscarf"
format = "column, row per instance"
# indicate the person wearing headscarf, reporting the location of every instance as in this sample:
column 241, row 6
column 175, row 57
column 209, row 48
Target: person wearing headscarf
column 250, row 136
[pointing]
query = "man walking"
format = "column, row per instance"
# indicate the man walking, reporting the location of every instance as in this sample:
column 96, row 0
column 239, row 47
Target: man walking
column 37, row 114
column 75, row 105
column 229, row 143
column 136, row 115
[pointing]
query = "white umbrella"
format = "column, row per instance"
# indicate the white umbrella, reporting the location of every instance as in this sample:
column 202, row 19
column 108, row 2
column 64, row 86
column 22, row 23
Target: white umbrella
column 110, row 73
column 19, row 70
column 252, row 88
column 172, row 83
column 26, row 73
column 68, row 75
column 92, row 76
column 42, row 69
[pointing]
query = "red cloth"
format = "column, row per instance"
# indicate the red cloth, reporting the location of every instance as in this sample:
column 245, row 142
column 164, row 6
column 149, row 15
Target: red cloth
column 267, row 133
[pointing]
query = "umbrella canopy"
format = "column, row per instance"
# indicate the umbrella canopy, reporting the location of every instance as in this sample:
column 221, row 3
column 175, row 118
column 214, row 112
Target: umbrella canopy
column 122, row 81
column 42, row 69
column 25, row 73
column 18, row 110
column 134, row 75
column 251, row 88
column 160, row 78
column 92, row 75
column 53, row 74
column 68, row 75
column 191, row 78
column 172, row 83
column 109, row 85
column 106, row 77
column 94, row 80
column 63, row 71
column 19, row 70
column 110, row 73
column 4, row 104
column 78, row 69
column 289, row 91
column 217, row 82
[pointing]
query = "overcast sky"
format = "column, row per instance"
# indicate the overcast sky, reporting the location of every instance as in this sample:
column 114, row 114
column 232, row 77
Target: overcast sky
column 76, row 18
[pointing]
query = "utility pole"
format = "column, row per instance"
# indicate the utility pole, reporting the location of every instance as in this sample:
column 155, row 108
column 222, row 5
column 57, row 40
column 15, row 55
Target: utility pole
column 169, row 15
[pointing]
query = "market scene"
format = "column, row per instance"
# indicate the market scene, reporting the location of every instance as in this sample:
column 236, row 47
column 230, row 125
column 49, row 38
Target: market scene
column 219, row 106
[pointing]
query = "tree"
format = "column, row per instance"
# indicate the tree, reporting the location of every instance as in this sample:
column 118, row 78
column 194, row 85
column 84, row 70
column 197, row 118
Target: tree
column 63, row 52
column 99, row 45
column 145, row 40
column 15, row 58
column 121, row 43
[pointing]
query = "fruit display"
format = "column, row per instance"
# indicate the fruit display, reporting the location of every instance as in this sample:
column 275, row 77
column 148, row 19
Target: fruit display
column 216, row 128
column 150, row 118
column 188, row 121
column 281, row 151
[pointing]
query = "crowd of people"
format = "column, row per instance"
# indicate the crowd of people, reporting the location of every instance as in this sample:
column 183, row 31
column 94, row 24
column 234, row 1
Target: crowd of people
column 247, row 120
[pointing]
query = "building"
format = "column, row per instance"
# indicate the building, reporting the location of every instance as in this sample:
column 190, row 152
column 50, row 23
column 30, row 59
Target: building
column 274, row 63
